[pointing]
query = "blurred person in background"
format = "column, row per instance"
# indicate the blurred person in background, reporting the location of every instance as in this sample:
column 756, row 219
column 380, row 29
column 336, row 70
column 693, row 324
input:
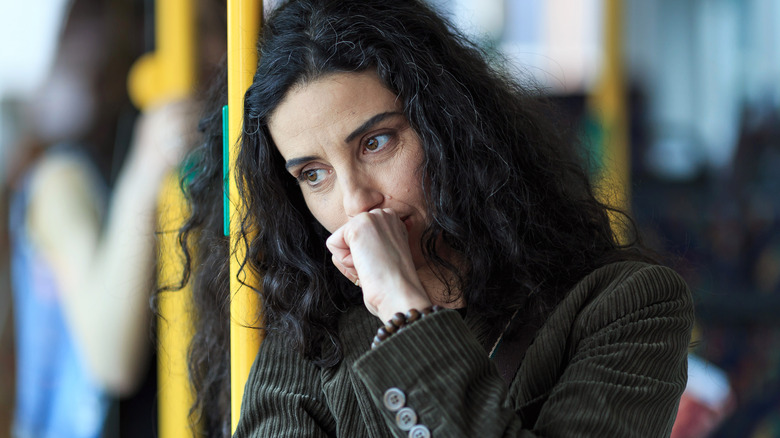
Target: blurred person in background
column 81, row 252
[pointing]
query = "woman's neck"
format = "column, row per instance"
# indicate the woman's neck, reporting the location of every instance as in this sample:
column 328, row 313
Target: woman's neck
column 437, row 288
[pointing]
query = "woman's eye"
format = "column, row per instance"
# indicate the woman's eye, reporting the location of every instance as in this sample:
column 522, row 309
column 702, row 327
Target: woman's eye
column 377, row 142
column 312, row 176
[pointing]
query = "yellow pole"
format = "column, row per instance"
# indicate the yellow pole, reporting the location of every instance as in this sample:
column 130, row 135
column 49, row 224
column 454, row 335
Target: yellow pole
column 608, row 102
column 244, row 18
column 166, row 74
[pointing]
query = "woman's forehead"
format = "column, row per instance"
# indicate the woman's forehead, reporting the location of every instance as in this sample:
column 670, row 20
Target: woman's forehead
column 330, row 107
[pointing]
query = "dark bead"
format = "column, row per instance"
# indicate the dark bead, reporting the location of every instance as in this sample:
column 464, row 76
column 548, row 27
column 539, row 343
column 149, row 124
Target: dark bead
column 412, row 315
column 399, row 319
column 390, row 327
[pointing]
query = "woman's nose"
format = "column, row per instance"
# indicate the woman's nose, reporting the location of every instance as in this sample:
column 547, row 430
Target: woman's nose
column 360, row 194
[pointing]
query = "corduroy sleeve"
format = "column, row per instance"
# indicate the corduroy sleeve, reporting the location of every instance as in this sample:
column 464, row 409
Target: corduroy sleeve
column 282, row 397
column 626, row 351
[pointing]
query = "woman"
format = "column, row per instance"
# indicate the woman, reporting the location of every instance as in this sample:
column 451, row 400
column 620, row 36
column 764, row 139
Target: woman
column 387, row 167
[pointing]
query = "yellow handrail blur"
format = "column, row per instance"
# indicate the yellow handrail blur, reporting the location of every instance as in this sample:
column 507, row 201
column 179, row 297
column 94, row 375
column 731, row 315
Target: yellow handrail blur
column 167, row 74
column 608, row 102
column 244, row 17
column 174, row 325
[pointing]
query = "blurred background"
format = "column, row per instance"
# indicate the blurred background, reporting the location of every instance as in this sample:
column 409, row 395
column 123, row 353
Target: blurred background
column 681, row 98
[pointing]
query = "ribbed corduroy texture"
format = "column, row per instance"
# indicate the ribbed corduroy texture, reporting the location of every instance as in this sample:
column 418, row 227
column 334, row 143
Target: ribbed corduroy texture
column 609, row 362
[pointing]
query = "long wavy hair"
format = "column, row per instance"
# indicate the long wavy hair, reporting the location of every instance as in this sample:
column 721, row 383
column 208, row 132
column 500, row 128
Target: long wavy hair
column 505, row 188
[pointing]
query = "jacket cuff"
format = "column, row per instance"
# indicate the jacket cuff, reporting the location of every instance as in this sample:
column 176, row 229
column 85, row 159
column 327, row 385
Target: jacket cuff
column 431, row 362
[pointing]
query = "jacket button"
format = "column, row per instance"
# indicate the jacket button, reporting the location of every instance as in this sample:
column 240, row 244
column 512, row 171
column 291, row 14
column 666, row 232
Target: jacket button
column 394, row 399
column 406, row 418
column 419, row 431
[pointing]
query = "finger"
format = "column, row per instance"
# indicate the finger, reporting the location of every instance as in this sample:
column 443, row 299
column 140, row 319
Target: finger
column 348, row 262
column 350, row 273
column 383, row 212
column 338, row 249
column 336, row 243
column 344, row 260
column 388, row 212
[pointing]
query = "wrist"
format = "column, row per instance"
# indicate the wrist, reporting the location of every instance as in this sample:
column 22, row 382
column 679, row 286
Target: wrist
column 402, row 305
column 406, row 294
column 400, row 321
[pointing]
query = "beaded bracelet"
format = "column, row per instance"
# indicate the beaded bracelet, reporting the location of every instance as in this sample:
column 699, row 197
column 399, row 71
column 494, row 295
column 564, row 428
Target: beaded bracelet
column 400, row 321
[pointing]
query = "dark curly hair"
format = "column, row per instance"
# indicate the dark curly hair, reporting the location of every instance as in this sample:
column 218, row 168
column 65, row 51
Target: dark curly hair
column 504, row 187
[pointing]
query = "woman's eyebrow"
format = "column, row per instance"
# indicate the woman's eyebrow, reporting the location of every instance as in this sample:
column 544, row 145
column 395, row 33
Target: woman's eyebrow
column 370, row 123
column 298, row 161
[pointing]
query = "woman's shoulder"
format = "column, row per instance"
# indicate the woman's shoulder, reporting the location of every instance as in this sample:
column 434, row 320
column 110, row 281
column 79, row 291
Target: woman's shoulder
column 620, row 338
column 626, row 289
column 613, row 274
column 640, row 277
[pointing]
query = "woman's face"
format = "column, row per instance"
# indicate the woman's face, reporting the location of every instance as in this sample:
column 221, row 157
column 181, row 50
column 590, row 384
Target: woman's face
column 345, row 139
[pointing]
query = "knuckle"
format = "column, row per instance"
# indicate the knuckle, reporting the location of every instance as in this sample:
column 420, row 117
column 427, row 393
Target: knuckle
column 362, row 221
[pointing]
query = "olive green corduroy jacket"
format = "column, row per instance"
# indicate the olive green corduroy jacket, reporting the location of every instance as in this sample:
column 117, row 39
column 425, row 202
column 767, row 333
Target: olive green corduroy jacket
column 610, row 361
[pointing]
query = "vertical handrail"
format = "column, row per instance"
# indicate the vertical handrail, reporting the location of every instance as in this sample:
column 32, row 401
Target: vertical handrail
column 244, row 17
column 167, row 74
column 608, row 103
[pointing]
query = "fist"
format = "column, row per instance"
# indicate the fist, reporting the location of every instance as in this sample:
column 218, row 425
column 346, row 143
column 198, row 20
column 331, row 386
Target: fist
column 373, row 248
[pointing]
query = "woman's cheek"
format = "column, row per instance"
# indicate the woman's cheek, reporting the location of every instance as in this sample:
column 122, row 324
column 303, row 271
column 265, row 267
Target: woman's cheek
column 324, row 213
